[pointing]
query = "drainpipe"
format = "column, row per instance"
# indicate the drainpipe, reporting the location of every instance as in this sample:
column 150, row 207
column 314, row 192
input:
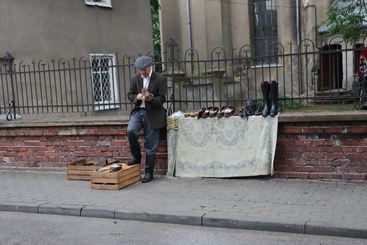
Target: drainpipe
column 315, row 20
column 315, row 7
column 298, row 22
column 188, row 18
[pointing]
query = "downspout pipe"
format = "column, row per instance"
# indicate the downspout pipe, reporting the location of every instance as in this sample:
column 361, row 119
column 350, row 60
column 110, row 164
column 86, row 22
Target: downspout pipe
column 188, row 18
column 315, row 20
column 298, row 22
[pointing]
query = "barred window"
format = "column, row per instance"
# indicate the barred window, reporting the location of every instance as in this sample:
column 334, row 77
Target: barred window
column 101, row 3
column 104, row 81
column 265, row 31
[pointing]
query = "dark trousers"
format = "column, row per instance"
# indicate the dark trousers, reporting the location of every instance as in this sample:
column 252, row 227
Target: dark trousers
column 138, row 121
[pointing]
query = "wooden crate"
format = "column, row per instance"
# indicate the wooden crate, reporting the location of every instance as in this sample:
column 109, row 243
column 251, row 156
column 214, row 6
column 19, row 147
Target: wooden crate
column 127, row 175
column 82, row 169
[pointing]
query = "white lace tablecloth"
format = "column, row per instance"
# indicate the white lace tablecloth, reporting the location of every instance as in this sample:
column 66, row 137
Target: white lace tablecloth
column 225, row 147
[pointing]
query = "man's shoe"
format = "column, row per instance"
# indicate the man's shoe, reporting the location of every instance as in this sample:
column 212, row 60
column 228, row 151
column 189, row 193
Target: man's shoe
column 147, row 178
column 134, row 161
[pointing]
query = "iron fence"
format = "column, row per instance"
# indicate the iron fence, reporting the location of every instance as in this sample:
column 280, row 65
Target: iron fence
column 305, row 73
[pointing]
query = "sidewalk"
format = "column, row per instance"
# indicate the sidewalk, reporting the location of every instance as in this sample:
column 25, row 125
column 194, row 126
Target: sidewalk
column 269, row 204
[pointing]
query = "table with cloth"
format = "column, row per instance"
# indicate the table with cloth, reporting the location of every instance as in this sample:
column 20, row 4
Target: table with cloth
column 222, row 147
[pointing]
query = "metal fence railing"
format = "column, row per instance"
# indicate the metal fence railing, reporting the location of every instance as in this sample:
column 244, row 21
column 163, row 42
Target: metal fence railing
column 305, row 74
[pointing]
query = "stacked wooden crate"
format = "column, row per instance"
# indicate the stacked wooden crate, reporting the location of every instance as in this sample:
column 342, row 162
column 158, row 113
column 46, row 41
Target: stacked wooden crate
column 82, row 169
column 107, row 179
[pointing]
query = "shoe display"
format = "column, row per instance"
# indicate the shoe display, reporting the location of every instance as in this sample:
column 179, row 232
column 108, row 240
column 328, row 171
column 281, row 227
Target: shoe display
column 205, row 114
column 193, row 114
column 220, row 113
column 229, row 111
column 274, row 98
column 265, row 89
column 201, row 112
column 213, row 111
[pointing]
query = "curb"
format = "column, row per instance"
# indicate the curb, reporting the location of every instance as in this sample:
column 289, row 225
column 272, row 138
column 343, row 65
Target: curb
column 70, row 210
column 159, row 217
column 254, row 224
column 18, row 207
column 97, row 212
column 316, row 228
column 198, row 219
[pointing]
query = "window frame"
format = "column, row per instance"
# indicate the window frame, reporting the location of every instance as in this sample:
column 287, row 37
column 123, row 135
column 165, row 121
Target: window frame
column 105, row 3
column 113, row 83
column 267, row 8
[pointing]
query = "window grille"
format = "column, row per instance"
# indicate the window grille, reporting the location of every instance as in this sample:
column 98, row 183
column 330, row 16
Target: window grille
column 265, row 31
column 104, row 81
column 101, row 3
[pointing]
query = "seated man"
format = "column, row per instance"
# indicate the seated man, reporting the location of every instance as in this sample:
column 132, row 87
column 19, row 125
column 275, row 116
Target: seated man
column 148, row 92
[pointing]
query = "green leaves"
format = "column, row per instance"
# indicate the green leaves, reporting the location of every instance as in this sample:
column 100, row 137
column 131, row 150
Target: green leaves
column 348, row 21
column 154, row 7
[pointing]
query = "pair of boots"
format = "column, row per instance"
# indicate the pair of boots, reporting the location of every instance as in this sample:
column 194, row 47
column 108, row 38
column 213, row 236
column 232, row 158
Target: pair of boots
column 149, row 165
column 270, row 95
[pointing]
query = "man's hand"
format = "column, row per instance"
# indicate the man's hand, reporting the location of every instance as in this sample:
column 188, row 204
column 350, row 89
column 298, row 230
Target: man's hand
column 140, row 96
column 149, row 98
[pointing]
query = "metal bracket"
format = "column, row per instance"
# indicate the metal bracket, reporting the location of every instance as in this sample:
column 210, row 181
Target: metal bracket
column 172, row 101
column 9, row 115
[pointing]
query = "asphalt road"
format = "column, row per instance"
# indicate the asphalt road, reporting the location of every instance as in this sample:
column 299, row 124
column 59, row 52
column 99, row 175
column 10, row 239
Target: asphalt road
column 25, row 229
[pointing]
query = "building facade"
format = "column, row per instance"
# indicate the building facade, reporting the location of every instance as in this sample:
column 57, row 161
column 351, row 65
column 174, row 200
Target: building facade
column 206, row 24
column 67, row 54
column 48, row 29
column 259, row 40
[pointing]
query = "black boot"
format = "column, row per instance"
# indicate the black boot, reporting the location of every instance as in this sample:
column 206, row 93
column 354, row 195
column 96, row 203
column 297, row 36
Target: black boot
column 274, row 98
column 150, row 161
column 136, row 159
column 265, row 88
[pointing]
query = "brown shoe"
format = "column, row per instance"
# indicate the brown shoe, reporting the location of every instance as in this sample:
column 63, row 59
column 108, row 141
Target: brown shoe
column 213, row 111
column 201, row 112
column 220, row 113
column 229, row 111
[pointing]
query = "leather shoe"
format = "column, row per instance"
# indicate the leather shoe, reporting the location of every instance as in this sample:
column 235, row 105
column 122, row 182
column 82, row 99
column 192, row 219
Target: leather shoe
column 133, row 161
column 147, row 178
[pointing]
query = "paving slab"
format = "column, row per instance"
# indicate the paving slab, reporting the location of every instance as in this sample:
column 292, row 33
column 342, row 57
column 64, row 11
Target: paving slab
column 300, row 206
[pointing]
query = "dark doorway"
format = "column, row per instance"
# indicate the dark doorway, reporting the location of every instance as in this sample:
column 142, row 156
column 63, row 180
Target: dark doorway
column 331, row 67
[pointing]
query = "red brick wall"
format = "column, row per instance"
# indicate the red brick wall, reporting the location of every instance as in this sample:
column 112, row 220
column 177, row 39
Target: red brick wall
column 322, row 150
column 56, row 146
column 319, row 150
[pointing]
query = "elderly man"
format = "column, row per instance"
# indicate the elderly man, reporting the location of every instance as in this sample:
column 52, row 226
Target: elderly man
column 148, row 93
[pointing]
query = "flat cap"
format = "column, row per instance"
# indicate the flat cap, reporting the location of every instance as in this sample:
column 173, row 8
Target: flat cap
column 142, row 62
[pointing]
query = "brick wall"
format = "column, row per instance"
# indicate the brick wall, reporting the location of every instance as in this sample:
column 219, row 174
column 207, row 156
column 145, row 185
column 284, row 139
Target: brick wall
column 311, row 147
column 56, row 146
column 322, row 150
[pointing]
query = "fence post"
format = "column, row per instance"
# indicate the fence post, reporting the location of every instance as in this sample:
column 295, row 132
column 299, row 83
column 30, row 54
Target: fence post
column 9, row 59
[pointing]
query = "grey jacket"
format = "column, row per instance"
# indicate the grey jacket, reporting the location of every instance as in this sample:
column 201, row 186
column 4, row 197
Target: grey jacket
column 158, row 87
